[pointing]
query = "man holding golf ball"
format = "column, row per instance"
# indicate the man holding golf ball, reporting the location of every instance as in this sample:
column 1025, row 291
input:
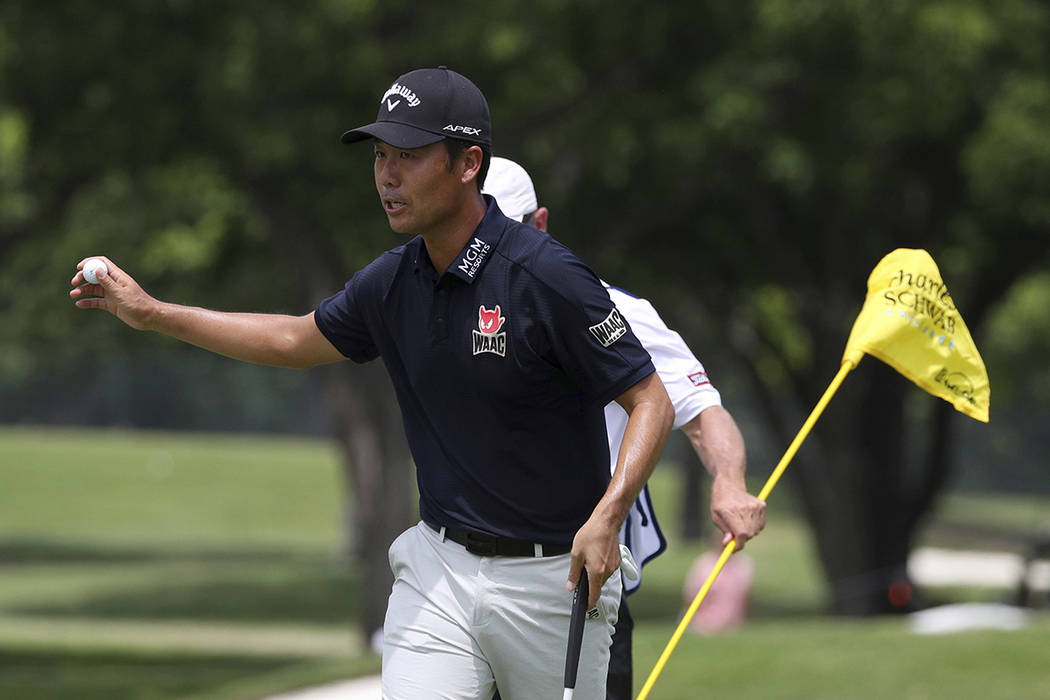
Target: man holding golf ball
column 503, row 349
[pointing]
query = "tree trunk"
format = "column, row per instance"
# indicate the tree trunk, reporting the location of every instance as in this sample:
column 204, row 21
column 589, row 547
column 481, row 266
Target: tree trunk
column 693, row 515
column 856, row 493
column 365, row 419
column 378, row 478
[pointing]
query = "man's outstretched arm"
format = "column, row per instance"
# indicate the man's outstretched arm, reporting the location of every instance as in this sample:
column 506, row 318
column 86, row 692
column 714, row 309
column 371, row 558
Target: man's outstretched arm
column 267, row 339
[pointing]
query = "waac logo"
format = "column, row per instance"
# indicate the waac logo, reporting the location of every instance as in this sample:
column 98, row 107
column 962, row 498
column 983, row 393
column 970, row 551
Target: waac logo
column 610, row 330
column 488, row 338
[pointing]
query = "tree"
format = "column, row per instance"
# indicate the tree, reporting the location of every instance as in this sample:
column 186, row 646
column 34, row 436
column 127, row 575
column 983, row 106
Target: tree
column 198, row 145
column 766, row 170
column 743, row 164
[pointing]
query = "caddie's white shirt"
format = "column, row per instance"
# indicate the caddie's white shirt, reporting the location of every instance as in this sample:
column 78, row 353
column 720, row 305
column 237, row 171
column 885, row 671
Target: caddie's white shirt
column 690, row 391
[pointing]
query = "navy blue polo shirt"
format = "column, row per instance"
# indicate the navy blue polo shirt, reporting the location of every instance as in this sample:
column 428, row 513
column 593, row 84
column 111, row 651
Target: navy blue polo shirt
column 502, row 366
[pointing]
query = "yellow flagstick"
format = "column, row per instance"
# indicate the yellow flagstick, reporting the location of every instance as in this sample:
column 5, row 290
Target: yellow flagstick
column 910, row 322
column 847, row 365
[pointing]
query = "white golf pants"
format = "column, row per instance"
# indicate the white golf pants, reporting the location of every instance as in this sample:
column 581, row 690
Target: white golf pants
column 459, row 625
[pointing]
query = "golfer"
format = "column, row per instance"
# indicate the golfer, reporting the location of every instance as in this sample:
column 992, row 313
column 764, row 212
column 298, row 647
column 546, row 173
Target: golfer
column 503, row 349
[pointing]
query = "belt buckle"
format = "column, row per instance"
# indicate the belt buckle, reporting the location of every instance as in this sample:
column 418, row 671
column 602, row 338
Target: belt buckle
column 480, row 545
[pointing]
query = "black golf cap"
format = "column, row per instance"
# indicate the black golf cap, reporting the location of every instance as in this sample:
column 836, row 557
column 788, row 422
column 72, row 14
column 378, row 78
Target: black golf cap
column 426, row 105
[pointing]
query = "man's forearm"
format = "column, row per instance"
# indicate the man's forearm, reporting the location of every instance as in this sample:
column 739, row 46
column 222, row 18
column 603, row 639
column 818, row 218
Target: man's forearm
column 719, row 445
column 650, row 420
column 266, row 339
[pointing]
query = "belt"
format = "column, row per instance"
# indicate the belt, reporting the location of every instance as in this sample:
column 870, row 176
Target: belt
column 491, row 546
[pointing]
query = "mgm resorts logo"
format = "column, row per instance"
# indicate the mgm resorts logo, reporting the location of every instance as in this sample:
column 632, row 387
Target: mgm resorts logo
column 473, row 256
column 610, row 330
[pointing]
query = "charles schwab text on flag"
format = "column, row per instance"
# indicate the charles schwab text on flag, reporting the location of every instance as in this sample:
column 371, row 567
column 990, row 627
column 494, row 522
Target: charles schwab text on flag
column 910, row 322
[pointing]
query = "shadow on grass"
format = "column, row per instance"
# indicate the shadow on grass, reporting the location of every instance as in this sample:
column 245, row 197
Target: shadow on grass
column 25, row 551
column 288, row 594
column 35, row 675
column 250, row 585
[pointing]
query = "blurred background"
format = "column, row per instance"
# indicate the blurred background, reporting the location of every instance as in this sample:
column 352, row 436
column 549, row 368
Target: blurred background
column 173, row 523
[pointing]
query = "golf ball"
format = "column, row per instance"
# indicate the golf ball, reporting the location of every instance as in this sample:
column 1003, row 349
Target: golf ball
column 91, row 268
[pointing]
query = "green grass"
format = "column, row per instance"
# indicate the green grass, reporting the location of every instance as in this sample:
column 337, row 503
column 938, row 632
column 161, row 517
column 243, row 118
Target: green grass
column 153, row 565
column 821, row 658
column 123, row 489
column 991, row 521
column 788, row 649
column 1007, row 511
column 83, row 673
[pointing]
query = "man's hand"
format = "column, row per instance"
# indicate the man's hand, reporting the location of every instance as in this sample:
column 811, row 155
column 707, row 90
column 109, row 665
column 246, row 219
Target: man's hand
column 717, row 441
column 738, row 514
column 596, row 547
column 116, row 292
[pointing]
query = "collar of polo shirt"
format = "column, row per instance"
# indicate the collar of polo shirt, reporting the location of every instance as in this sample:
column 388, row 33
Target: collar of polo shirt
column 482, row 244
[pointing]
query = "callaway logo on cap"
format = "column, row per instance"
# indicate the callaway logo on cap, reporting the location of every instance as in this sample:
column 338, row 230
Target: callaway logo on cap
column 426, row 105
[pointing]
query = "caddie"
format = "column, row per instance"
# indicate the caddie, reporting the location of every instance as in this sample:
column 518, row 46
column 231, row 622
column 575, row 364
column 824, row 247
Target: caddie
column 699, row 413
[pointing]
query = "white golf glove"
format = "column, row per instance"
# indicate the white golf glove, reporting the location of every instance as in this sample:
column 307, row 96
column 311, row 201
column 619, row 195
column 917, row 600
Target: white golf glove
column 627, row 564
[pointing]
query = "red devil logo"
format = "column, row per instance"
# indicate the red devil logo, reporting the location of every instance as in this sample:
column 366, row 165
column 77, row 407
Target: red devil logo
column 490, row 322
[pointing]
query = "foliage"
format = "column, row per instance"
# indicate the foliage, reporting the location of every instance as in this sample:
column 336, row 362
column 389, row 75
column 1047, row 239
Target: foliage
column 1020, row 338
column 744, row 164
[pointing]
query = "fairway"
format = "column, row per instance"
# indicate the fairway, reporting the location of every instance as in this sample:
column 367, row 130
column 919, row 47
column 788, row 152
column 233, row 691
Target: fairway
column 159, row 565
column 141, row 564
column 829, row 659
column 120, row 488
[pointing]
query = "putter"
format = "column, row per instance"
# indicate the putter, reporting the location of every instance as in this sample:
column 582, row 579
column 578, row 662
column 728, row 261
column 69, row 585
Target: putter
column 579, row 615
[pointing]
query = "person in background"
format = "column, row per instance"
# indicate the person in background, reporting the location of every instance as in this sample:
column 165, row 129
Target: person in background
column 699, row 413
column 725, row 605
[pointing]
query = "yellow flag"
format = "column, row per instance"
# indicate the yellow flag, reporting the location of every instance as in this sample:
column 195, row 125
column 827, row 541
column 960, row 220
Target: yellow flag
column 910, row 322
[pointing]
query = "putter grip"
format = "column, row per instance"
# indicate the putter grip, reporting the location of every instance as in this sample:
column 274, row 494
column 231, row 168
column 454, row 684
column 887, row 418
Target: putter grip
column 579, row 615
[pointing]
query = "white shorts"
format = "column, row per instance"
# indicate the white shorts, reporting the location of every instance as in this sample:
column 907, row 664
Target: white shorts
column 459, row 625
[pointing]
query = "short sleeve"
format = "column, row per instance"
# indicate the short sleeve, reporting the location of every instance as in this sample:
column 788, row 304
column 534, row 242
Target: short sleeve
column 589, row 336
column 343, row 319
column 684, row 377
